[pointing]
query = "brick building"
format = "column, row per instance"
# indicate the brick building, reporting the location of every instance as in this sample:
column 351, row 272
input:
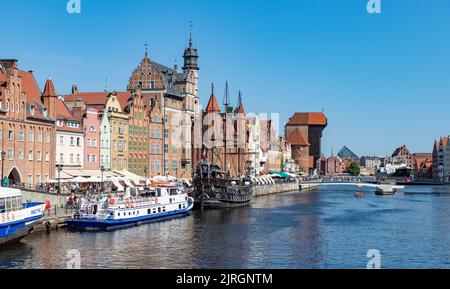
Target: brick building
column 172, row 100
column 304, row 132
column 225, row 138
column 27, row 131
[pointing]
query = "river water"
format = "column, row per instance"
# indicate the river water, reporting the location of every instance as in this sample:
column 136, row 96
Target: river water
column 324, row 228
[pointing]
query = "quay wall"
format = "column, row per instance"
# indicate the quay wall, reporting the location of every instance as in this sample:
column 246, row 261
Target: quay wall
column 41, row 197
column 263, row 190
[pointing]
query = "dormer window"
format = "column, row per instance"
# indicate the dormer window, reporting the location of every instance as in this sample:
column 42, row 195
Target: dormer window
column 32, row 110
column 44, row 113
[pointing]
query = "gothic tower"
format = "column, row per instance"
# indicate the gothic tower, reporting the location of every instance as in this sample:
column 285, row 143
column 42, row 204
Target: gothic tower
column 190, row 70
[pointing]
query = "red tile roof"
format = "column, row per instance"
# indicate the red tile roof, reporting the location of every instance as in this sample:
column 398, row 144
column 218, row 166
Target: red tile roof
column 49, row 89
column 296, row 138
column 240, row 109
column 98, row 99
column 308, row 118
column 63, row 112
column 213, row 105
column 30, row 87
column 444, row 142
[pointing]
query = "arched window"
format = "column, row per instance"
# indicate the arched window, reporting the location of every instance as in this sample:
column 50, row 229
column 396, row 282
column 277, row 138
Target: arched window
column 92, row 128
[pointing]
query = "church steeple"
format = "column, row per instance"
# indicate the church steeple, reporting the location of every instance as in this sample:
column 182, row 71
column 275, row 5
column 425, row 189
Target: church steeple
column 213, row 105
column 240, row 108
column 190, row 55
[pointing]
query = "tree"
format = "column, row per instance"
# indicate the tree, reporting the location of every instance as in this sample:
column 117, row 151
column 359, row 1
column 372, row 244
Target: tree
column 353, row 169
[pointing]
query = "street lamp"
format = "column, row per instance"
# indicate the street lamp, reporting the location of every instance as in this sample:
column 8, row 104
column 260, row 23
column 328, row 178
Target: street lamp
column 3, row 162
column 59, row 168
column 102, row 169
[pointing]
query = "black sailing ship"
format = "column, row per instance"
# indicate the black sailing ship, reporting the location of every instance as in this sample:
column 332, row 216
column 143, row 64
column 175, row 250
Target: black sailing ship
column 214, row 189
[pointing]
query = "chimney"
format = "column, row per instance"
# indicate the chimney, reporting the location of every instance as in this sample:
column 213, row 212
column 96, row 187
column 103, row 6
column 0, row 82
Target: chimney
column 75, row 89
column 9, row 63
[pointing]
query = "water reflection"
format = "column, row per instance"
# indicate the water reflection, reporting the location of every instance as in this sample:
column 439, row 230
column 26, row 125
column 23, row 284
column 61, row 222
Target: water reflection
column 327, row 228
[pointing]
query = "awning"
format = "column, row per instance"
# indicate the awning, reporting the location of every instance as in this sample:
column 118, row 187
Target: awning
column 128, row 183
column 118, row 186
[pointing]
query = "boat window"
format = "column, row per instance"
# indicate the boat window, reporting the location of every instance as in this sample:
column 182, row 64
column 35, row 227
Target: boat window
column 154, row 211
column 13, row 203
column 179, row 207
column 2, row 205
column 159, row 210
column 149, row 212
column 158, row 192
column 19, row 203
column 164, row 209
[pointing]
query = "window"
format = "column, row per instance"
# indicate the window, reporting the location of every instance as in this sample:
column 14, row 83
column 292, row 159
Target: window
column 10, row 155
column 11, row 135
column 78, row 141
column 166, row 148
column 92, row 128
column 61, row 140
column 47, row 138
column 21, row 155
column 71, row 158
column 39, row 156
column 30, row 155
column 153, row 148
column 1, row 134
column 31, row 136
column 38, row 179
column 88, row 158
column 88, row 142
column 94, row 159
column 40, row 137
column 47, row 157
column 21, row 136
column 166, row 133
column 78, row 158
column 72, row 141
column 166, row 166
column 174, row 165
column 174, row 149
column 94, row 143
column 30, row 180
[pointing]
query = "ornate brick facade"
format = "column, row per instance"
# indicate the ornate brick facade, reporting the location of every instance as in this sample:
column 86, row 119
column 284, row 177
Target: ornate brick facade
column 27, row 131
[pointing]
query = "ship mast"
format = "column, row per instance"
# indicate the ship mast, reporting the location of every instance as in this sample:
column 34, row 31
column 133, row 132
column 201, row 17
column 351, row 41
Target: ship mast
column 226, row 103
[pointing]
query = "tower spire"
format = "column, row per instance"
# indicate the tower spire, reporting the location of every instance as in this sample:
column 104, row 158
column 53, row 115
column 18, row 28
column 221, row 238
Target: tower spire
column 146, row 50
column 190, row 33
column 190, row 54
column 240, row 107
column 226, row 100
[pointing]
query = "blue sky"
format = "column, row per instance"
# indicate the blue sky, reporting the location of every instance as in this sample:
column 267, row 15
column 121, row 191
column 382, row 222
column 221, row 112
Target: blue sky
column 383, row 80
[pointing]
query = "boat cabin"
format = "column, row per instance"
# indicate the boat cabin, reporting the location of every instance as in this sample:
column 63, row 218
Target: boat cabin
column 10, row 200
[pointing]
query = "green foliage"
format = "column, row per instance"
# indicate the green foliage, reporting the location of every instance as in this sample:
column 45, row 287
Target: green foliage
column 353, row 169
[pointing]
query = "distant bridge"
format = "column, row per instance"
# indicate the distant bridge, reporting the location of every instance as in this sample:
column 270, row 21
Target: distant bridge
column 380, row 188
